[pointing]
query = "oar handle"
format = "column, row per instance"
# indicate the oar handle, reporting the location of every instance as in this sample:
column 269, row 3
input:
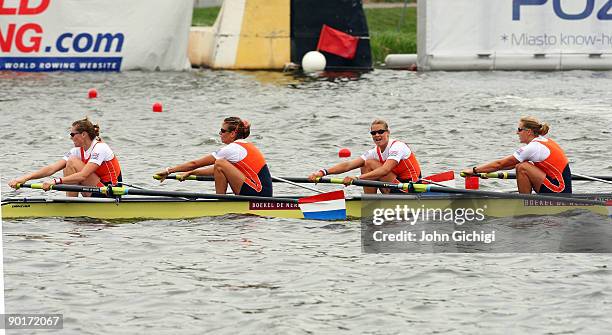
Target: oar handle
column 490, row 175
column 512, row 175
column 368, row 183
column 199, row 178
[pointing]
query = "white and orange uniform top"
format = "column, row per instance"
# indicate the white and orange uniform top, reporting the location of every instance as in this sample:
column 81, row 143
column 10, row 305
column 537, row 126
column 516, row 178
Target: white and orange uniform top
column 408, row 167
column 547, row 155
column 100, row 154
column 251, row 162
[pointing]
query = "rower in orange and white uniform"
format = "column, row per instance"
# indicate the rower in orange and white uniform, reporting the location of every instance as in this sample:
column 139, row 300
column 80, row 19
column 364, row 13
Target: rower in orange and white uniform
column 390, row 161
column 239, row 164
column 90, row 163
column 541, row 165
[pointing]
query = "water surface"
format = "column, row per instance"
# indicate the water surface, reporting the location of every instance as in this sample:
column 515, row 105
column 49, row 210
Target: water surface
column 258, row 275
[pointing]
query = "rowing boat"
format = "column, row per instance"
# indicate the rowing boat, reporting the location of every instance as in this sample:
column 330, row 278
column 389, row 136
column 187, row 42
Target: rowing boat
column 138, row 208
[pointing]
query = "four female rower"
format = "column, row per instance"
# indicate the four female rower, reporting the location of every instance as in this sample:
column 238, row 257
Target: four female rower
column 239, row 164
column 390, row 160
column 541, row 165
column 90, row 163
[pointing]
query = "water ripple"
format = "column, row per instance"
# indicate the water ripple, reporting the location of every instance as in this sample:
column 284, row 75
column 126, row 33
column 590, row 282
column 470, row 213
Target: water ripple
column 261, row 275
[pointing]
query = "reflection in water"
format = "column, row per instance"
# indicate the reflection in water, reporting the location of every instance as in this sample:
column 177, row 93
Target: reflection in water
column 295, row 78
column 277, row 78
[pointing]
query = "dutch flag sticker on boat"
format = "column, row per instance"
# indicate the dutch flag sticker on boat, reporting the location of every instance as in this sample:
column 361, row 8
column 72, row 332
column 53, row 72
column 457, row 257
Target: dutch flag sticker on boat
column 324, row 206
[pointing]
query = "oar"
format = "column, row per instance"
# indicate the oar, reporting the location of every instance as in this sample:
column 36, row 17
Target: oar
column 176, row 177
column 296, row 184
column 363, row 182
column 327, row 206
column 432, row 188
column 491, row 175
column 436, row 179
column 422, row 188
column 291, row 181
column 119, row 191
column 512, row 175
column 442, row 176
column 211, row 178
column 599, row 179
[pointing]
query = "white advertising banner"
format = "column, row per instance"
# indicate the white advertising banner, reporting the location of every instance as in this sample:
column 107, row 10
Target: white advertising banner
column 94, row 35
column 515, row 26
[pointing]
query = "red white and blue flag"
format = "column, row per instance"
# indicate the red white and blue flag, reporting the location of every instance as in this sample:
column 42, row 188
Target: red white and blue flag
column 324, row 206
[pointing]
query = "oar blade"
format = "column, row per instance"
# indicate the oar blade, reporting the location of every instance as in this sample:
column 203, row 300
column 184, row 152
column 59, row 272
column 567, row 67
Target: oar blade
column 445, row 178
column 324, row 206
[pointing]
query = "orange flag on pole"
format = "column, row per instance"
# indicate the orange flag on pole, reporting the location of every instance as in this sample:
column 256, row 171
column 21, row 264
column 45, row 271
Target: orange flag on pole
column 337, row 43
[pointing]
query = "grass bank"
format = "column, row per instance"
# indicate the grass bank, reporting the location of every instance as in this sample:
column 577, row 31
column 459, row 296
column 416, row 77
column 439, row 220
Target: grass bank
column 390, row 33
column 205, row 16
column 387, row 35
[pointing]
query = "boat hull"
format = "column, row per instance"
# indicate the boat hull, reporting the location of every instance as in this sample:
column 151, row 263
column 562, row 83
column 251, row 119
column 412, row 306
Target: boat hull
column 172, row 208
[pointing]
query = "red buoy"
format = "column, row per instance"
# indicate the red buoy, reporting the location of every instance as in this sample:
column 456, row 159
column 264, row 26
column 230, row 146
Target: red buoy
column 344, row 153
column 157, row 107
column 92, row 93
